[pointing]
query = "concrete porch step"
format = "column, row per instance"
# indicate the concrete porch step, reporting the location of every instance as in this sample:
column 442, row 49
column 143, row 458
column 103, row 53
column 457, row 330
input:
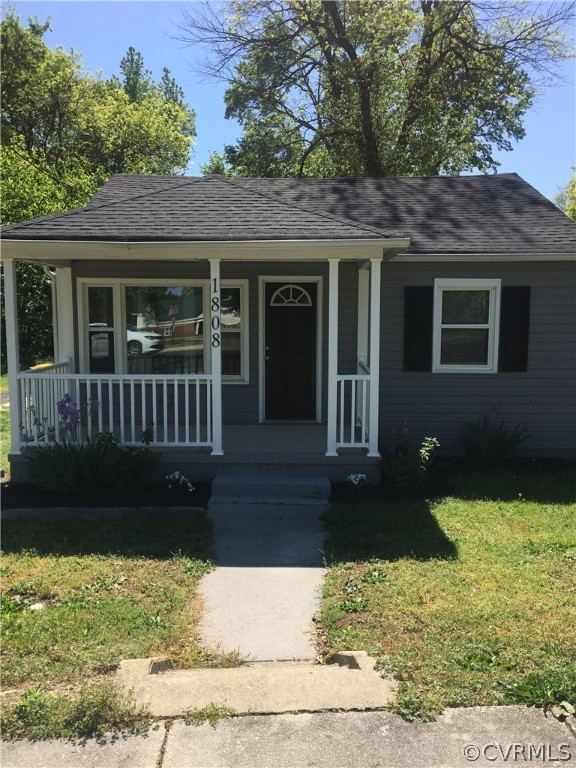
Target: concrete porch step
column 260, row 688
column 270, row 489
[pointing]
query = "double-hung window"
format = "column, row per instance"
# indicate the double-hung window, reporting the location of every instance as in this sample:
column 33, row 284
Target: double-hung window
column 466, row 325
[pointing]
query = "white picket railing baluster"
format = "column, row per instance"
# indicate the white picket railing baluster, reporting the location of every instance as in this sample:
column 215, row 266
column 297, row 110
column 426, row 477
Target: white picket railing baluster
column 118, row 410
column 353, row 419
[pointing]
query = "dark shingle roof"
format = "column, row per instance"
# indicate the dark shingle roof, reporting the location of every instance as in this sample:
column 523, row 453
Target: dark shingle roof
column 453, row 215
column 211, row 208
column 445, row 214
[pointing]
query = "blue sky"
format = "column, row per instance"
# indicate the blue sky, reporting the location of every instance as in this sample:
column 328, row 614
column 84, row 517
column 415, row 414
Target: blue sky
column 102, row 31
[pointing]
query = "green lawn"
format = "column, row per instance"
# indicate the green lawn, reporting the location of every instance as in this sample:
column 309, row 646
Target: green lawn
column 467, row 600
column 4, row 426
column 4, row 438
column 102, row 591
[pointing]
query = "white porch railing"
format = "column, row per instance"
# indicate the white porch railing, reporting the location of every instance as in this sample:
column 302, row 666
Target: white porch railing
column 176, row 409
column 353, row 417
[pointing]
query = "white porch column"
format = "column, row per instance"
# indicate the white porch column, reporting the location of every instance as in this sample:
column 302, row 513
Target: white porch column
column 215, row 337
column 363, row 314
column 63, row 313
column 332, row 415
column 375, row 275
column 12, row 351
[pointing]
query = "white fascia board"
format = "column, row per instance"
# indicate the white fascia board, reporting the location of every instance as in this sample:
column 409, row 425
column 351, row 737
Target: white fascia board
column 54, row 251
column 487, row 257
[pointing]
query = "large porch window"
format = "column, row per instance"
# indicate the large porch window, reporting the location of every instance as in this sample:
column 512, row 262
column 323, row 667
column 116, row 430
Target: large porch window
column 159, row 328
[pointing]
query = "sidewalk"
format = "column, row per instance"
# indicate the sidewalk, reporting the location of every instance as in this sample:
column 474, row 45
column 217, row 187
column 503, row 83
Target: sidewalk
column 480, row 736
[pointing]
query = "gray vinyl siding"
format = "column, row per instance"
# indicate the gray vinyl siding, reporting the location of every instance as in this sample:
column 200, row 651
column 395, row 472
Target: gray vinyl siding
column 437, row 404
column 428, row 404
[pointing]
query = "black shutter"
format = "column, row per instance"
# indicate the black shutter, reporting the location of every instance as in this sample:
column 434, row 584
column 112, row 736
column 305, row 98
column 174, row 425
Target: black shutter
column 514, row 328
column 418, row 320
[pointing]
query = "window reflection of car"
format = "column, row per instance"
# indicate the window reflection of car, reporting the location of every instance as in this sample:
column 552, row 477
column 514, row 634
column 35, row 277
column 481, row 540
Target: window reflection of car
column 143, row 342
column 139, row 342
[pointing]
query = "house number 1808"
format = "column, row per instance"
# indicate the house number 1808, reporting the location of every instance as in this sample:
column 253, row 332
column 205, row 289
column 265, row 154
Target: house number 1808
column 215, row 322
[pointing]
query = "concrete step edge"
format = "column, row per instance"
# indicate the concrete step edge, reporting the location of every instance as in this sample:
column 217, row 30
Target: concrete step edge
column 283, row 500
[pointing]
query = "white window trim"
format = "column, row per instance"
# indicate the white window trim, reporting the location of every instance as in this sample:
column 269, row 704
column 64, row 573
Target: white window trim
column 83, row 325
column 465, row 284
column 121, row 358
column 244, row 376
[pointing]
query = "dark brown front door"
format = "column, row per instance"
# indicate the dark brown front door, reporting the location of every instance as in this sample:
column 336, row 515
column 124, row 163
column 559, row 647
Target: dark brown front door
column 290, row 341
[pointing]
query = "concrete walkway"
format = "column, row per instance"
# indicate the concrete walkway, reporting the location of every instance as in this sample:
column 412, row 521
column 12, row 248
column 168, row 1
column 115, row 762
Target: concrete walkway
column 480, row 736
column 261, row 598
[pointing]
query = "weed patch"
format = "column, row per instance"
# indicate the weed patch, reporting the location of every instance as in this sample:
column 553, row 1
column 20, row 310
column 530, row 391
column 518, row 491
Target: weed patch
column 212, row 714
column 95, row 711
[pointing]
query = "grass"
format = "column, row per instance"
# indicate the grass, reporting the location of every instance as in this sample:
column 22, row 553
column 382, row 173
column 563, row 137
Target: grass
column 81, row 595
column 4, row 438
column 467, row 600
column 4, row 427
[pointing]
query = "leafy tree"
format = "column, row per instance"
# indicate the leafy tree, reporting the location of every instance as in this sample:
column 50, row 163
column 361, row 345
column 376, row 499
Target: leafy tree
column 566, row 197
column 65, row 131
column 571, row 198
column 404, row 87
column 137, row 80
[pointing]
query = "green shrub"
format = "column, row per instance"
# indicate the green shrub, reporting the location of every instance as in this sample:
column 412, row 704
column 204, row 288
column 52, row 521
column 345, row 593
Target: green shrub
column 407, row 466
column 134, row 468
column 489, row 442
column 73, row 467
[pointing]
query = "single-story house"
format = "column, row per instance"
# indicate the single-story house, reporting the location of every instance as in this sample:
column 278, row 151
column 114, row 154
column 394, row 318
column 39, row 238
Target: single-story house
column 294, row 324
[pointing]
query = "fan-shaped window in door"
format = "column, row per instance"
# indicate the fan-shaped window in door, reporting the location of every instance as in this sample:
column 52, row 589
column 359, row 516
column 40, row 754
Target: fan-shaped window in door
column 291, row 296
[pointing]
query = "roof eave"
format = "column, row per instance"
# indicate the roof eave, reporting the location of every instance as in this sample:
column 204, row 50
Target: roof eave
column 523, row 256
column 52, row 251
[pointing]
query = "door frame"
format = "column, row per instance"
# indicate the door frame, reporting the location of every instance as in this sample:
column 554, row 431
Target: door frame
column 262, row 281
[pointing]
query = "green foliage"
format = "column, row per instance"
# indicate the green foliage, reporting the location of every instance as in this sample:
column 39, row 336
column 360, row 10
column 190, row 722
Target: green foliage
column 71, row 467
column 548, row 688
column 96, row 711
column 4, row 438
column 65, row 131
column 11, row 610
column 407, row 466
column 489, row 441
column 375, row 88
column 70, row 124
column 212, row 714
column 566, row 197
column 74, row 467
column 133, row 468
